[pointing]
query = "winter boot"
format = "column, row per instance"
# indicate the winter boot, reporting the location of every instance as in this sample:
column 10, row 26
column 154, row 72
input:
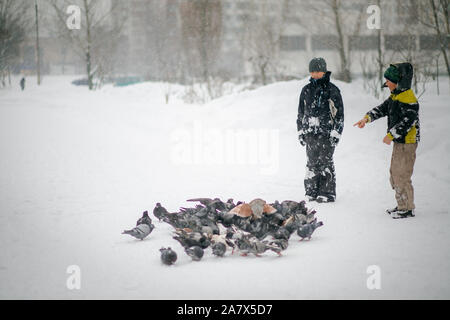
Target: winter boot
column 323, row 199
column 401, row 214
column 389, row 211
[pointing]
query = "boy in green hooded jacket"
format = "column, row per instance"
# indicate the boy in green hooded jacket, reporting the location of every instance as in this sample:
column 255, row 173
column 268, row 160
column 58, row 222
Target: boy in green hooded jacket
column 402, row 111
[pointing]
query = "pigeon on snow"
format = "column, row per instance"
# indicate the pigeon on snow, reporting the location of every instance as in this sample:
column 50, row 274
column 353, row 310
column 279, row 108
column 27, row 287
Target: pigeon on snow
column 195, row 252
column 143, row 227
column 168, row 256
column 306, row 230
column 159, row 211
column 145, row 219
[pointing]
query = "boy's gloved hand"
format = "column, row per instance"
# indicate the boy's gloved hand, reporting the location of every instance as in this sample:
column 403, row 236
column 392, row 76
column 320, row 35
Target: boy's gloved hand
column 301, row 138
column 334, row 141
column 334, row 137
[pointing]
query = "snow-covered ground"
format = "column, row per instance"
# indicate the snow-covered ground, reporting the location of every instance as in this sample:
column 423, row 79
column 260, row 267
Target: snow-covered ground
column 78, row 167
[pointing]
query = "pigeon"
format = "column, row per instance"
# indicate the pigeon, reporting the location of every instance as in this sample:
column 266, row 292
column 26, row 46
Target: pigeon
column 279, row 245
column 168, row 256
column 145, row 219
column 276, row 219
column 277, row 206
column 195, row 252
column 306, row 230
column 190, row 239
column 243, row 210
column 159, row 211
column 257, row 207
column 215, row 203
column 246, row 243
column 282, row 233
column 256, row 247
column 223, row 240
column 229, row 204
column 227, row 219
column 219, row 249
column 140, row 231
column 288, row 206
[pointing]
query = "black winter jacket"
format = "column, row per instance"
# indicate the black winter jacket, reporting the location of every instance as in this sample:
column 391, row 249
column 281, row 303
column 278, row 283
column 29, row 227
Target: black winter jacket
column 320, row 109
column 402, row 111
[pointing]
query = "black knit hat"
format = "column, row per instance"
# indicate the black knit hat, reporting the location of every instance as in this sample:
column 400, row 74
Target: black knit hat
column 318, row 64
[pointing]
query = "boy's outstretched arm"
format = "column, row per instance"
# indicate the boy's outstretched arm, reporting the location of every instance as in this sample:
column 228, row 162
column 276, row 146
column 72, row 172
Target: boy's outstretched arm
column 374, row 114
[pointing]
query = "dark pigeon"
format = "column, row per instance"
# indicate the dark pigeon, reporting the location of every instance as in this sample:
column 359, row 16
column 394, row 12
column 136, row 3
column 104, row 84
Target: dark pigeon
column 190, row 239
column 168, row 256
column 195, row 252
column 145, row 219
column 219, row 249
column 160, row 212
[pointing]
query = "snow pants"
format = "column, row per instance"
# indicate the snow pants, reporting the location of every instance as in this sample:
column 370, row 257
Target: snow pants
column 402, row 166
column 320, row 178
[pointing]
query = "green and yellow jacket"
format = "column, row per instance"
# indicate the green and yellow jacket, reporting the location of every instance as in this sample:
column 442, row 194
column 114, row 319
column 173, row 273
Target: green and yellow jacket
column 402, row 111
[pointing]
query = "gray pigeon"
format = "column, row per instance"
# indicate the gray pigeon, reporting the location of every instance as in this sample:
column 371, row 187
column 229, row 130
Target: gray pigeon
column 159, row 211
column 282, row 233
column 145, row 219
column 195, row 252
column 219, row 249
column 279, row 245
column 140, row 231
column 168, row 256
column 306, row 230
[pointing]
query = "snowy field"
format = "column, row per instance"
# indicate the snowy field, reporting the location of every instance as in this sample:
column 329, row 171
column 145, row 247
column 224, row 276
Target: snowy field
column 78, row 167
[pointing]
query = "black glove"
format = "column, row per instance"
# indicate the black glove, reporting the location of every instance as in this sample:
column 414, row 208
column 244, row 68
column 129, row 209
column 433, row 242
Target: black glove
column 301, row 138
column 334, row 137
column 334, row 141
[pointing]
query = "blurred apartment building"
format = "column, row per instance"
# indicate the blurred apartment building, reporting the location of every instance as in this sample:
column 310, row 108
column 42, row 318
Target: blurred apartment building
column 152, row 32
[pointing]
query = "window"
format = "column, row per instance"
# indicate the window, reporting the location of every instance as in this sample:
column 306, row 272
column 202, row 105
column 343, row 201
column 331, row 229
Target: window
column 293, row 43
column 325, row 42
column 400, row 42
column 431, row 42
column 363, row 42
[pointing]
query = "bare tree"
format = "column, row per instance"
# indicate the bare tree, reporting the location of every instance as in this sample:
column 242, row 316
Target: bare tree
column 263, row 27
column 13, row 27
column 201, row 28
column 422, row 60
column 344, row 19
column 166, row 48
column 435, row 16
column 96, row 39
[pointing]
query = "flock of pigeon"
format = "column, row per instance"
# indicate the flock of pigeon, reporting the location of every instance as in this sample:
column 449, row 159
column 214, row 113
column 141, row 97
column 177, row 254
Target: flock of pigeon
column 246, row 228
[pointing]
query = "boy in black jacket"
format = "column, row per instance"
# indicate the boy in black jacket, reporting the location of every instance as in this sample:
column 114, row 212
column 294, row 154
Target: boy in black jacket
column 402, row 111
column 320, row 123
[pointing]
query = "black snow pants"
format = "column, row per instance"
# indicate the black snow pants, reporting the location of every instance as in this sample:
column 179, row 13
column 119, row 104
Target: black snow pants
column 320, row 178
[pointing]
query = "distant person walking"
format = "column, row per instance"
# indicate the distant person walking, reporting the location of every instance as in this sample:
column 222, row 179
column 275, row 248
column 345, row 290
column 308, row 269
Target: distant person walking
column 320, row 123
column 402, row 111
column 22, row 83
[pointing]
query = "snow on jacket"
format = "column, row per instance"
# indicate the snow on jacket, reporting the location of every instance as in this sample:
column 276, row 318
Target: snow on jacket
column 402, row 111
column 320, row 109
